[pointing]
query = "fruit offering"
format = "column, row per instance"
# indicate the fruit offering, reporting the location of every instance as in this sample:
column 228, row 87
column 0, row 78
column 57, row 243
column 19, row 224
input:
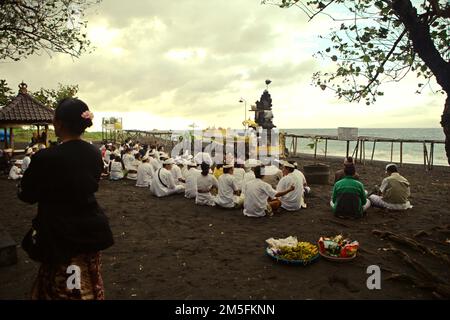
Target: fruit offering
column 338, row 247
column 291, row 249
column 302, row 251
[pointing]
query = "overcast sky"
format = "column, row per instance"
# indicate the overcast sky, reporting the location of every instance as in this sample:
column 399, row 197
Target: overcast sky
column 167, row 64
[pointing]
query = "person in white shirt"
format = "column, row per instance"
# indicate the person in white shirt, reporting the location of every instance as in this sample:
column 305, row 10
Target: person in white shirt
column 249, row 176
column 144, row 173
column 107, row 155
column 227, row 196
column 260, row 197
column 185, row 168
column 154, row 162
column 163, row 184
column 300, row 175
column 115, row 151
column 191, row 180
column 26, row 160
column 133, row 167
column 272, row 174
column 136, row 149
column 239, row 173
column 176, row 172
column 115, row 168
column 160, row 154
column 293, row 200
column 205, row 182
column 15, row 173
column 128, row 159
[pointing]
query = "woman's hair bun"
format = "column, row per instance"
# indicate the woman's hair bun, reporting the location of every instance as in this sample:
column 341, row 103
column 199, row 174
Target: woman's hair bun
column 74, row 114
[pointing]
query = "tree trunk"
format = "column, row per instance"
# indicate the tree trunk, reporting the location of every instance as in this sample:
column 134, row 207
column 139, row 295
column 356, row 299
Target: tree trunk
column 419, row 34
column 445, row 123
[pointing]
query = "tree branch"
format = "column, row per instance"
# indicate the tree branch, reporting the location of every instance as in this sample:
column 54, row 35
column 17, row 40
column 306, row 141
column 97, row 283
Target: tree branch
column 419, row 33
column 443, row 13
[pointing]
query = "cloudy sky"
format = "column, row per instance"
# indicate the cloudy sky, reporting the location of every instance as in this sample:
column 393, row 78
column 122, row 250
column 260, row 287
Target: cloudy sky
column 167, row 64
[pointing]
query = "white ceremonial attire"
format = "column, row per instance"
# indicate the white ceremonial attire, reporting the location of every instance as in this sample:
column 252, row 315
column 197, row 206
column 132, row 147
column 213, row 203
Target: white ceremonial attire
column 205, row 183
column 116, row 172
column 191, row 183
column 15, row 173
column 155, row 164
column 301, row 177
column 107, row 157
column 239, row 174
column 227, row 186
column 163, row 184
column 293, row 200
column 272, row 175
column 128, row 160
column 256, row 195
column 249, row 176
column 176, row 173
column 132, row 170
column 144, row 175
column 25, row 163
column 184, row 171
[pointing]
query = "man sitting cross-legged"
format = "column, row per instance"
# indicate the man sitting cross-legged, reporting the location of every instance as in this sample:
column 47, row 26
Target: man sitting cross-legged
column 260, row 197
column 163, row 183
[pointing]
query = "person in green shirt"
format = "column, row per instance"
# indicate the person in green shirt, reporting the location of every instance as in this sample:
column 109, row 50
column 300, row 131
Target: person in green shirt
column 349, row 197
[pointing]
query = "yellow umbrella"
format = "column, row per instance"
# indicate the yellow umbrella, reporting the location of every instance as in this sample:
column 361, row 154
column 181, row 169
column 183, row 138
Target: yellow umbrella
column 249, row 123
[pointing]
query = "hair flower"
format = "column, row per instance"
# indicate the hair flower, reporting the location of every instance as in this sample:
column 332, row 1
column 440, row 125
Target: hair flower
column 87, row 115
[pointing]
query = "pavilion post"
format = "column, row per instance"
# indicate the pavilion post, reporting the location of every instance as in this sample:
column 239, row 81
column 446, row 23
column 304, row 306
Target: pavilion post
column 11, row 138
column 46, row 135
column 5, row 131
column 326, row 147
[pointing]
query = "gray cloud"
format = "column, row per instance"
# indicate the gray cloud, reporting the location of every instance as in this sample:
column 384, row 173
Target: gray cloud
column 189, row 58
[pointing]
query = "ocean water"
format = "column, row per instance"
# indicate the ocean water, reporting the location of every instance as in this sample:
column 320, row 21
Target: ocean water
column 412, row 152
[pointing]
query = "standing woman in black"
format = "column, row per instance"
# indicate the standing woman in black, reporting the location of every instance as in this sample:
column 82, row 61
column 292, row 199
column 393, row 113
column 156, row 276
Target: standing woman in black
column 70, row 228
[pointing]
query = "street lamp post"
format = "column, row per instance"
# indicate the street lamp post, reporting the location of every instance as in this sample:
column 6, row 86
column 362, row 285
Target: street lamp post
column 245, row 110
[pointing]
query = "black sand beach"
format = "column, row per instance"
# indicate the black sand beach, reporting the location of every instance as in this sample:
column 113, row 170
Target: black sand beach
column 172, row 249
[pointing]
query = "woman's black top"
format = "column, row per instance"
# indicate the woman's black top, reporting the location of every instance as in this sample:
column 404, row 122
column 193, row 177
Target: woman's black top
column 63, row 180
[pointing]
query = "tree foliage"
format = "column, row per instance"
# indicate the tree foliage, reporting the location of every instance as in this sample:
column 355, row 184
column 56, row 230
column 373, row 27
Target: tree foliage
column 30, row 26
column 48, row 97
column 51, row 97
column 380, row 41
column 6, row 93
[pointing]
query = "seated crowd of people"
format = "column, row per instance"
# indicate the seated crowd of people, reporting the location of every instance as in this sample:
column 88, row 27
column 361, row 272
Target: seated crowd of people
column 260, row 188
column 15, row 168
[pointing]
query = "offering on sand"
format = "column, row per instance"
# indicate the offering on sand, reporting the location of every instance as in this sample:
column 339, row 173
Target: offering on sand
column 338, row 248
column 290, row 250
